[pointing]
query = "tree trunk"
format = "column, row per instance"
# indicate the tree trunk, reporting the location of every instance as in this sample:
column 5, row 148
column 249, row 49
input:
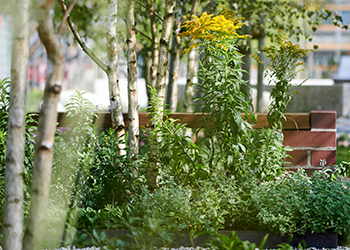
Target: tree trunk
column 163, row 52
column 146, row 68
column 152, row 173
column 46, row 129
column 188, row 95
column 191, row 70
column 171, row 95
column 112, row 73
column 154, row 50
column 133, row 113
column 246, row 62
column 260, row 80
column 13, row 205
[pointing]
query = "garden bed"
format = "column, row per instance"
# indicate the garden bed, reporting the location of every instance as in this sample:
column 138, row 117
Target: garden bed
column 183, row 238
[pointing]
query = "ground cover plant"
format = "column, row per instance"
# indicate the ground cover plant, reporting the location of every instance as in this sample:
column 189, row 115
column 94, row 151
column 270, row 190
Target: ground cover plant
column 232, row 178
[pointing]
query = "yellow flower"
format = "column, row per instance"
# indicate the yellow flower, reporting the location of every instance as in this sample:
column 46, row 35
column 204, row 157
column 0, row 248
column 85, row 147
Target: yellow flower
column 213, row 28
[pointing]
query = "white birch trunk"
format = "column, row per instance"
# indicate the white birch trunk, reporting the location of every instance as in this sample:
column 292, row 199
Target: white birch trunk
column 112, row 73
column 154, row 50
column 46, row 129
column 171, row 97
column 163, row 52
column 13, row 205
column 152, row 174
column 191, row 71
column 133, row 113
column 191, row 65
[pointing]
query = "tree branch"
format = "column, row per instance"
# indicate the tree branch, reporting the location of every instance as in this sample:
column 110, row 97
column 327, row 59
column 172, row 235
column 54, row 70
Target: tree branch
column 149, row 10
column 66, row 14
column 82, row 44
column 144, row 35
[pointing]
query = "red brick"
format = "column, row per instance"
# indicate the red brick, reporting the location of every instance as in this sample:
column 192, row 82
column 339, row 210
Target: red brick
column 323, row 119
column 329, row 156
column 299, row 158
column 310, row 138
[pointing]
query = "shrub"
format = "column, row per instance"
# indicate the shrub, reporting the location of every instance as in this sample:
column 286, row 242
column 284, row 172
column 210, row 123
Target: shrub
column 297, row 203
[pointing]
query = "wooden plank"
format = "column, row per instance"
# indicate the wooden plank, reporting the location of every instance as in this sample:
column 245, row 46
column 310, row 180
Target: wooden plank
column 294, row 121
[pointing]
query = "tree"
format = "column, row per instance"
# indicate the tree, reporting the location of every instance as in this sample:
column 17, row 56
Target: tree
column 148, row 21
column 160, row 84
column 133, row 113
column 111, row 68
column 13, row 205
column 46, row 128
column 277, row 14
column 191, row 64
column 174, row 68
column 163, row 51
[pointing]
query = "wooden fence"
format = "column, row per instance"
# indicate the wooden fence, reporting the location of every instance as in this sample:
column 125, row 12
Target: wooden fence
column 311, row 135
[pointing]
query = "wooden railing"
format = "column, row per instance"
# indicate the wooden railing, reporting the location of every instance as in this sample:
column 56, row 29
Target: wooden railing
column 294, row 121
column 311, row 135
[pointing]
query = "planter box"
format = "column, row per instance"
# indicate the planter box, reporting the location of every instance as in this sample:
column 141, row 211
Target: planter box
column 326, row 240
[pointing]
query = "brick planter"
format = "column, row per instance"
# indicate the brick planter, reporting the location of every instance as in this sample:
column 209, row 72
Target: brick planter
column 313, row 144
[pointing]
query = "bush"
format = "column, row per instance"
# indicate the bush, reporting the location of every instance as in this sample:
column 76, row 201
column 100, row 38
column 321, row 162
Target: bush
column 297, row 203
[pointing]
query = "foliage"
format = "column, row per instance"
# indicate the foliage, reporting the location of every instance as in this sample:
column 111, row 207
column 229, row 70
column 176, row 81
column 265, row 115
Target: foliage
column 232, row 242
column 176, row 154
column 233, row 180
column 204, row 205
column 88, row 172
column 284, row 15
column 298, row 203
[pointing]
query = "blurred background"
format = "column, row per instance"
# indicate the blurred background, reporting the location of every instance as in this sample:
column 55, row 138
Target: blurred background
column 327, row 70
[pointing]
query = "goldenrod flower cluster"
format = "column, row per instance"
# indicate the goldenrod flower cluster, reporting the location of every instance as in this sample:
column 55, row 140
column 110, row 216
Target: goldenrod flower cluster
column 212, row 28
column 285, row 50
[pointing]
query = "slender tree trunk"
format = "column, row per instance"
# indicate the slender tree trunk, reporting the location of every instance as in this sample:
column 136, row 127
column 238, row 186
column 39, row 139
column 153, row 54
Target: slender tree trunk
column 191, row 70
column 13, row 205
column 46, row 128
column 163, row 52
column 188, row 95
column 246, row 62
column 152, row 174
column 146, row 68
column 133, row 138
column 174, row 68
column 112, row 73
column 260, row 80
column 154, row 50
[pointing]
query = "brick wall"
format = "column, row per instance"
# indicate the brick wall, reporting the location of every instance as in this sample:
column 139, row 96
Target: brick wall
column 315, row 144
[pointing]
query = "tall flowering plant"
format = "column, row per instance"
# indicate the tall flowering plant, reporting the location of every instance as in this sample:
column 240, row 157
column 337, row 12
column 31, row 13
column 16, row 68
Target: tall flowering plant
column 233, row 145
column 282, row 66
